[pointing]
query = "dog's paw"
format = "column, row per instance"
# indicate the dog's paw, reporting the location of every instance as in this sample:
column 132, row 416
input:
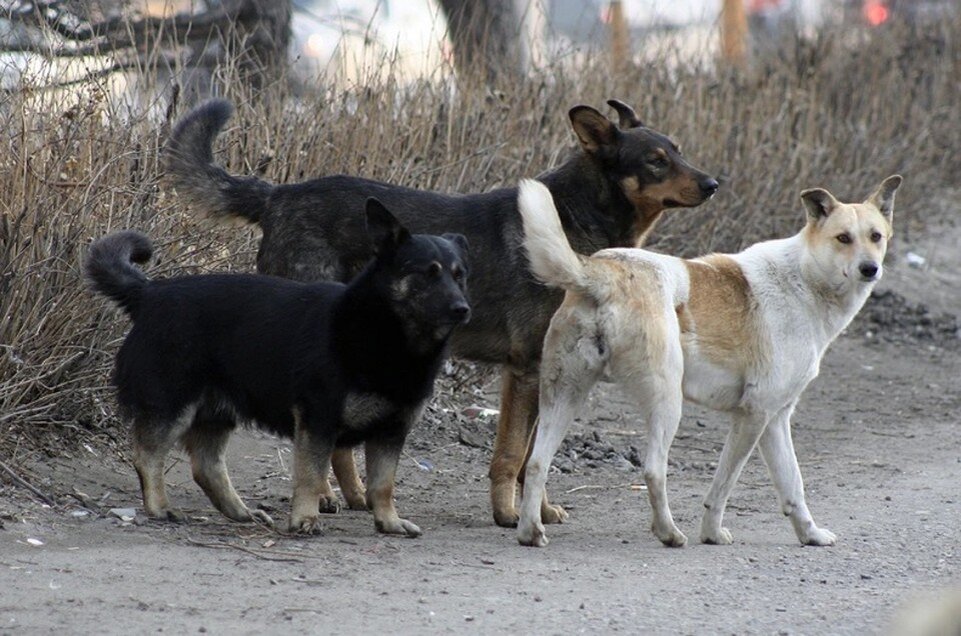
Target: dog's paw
column 506, row 518
column 172, row 515
column 721, row 536
column 398, row 526
column 669, row 535
column 532, row 534
column 552, row 513
column 819, row 536
column 306, row 525
column 356, row 501
column 329, row 505
column 262, row 517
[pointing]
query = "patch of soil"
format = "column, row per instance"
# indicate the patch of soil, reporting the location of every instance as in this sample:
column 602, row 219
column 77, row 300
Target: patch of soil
column 889, row 317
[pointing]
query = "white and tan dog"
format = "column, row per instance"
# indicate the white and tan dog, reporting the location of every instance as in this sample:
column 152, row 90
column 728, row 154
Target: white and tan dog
column 742, row 333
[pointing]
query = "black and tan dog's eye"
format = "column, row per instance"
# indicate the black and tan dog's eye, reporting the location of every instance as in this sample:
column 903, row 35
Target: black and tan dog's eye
column 875, row 237
column 658, row 162
column 844, row 237
column 434, row 269
column 457, row 273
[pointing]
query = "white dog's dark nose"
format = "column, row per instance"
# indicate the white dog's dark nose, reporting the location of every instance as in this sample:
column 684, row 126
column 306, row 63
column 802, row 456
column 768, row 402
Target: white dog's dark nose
column 868, row 269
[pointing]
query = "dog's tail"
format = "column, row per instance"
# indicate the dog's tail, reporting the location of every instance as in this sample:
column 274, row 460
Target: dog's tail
column 190, row 163
column 109, row 267
column 549, row 253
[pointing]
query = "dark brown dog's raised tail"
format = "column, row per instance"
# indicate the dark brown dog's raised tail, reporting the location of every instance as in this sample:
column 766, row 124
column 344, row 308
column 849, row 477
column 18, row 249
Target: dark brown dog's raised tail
column 204, row 184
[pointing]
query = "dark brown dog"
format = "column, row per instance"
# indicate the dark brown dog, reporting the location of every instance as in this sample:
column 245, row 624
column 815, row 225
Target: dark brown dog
column 610, row 193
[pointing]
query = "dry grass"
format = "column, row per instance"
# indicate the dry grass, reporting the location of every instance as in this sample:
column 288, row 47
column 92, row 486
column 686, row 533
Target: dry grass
column 842, row 112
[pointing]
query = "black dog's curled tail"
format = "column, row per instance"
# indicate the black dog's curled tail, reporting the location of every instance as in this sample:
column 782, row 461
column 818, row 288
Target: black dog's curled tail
column 109, row 267
column 190, row 164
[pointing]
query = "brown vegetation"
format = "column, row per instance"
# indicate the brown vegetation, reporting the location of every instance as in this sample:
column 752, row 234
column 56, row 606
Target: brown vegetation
column 841, row 112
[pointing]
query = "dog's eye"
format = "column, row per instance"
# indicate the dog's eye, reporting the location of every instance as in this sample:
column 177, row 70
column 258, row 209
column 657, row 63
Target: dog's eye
column 844, row 237
column 658, row 162
column 457, row 273
column 434, row 269
column 875, row 237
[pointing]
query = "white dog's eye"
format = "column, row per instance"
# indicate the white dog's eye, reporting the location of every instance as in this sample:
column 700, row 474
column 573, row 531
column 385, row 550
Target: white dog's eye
column 844, row 237
column 875, row 237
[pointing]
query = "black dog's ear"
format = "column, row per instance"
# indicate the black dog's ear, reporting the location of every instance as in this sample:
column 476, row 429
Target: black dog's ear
column 460, row 241
column 819, row 203
column 627, row 118
column 383, row 228
column 593, row 129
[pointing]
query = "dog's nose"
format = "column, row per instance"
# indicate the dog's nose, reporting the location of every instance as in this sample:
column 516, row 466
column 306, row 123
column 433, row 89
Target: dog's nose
column 709, row 187
column 868, row 269
column 461, row 311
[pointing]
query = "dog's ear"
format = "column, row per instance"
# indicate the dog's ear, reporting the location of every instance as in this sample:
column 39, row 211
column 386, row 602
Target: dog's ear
column 627, row 118
column 460, row 241
column 593, row 129
column 819, row 203
column 883, row 197
column 383, row 229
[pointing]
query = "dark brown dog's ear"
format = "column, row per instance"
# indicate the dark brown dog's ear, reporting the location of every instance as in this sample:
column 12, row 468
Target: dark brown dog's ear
column 883, row 197
column 627, row 118
column 593, row 129
column 383, row 229
column 819, row 203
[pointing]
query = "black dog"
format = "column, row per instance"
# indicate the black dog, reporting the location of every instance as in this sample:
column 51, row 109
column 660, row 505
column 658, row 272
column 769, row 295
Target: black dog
column 610, row 193
column 326, row 364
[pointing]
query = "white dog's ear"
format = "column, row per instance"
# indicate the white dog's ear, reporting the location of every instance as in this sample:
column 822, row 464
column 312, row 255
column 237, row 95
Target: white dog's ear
column 883, row 197
column 819, row 203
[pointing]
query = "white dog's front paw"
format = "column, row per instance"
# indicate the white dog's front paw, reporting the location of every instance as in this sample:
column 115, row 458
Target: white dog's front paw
column 819, row 536
column 716, row 536
column 531, row 534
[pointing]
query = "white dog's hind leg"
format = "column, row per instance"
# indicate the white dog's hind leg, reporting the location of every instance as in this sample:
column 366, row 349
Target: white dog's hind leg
column 566, row 379
column 657, row 389
column 663, row 418
column 747, row 428
column 777, row 448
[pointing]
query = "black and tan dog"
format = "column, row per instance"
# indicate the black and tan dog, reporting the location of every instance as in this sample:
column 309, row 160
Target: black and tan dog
column 610, row 193
column 327, row 364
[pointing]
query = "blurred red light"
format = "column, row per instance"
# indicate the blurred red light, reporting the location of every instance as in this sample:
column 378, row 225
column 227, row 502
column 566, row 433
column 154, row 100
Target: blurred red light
column 876, row 13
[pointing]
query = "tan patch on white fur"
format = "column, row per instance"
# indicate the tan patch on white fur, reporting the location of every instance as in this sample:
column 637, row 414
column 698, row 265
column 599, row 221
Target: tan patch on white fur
column 631, row 305
column 719, row 315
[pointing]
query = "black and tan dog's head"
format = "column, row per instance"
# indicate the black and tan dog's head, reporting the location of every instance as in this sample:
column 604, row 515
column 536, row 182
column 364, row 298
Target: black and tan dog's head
column 646, row 165
column 424, row 276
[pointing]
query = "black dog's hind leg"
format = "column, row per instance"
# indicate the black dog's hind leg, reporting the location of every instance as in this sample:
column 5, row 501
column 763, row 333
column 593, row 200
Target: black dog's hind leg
column 382, row 456
column 350, row 485
column 206, row 443
column 513, row 444
column 311, row 469
column 152, row 440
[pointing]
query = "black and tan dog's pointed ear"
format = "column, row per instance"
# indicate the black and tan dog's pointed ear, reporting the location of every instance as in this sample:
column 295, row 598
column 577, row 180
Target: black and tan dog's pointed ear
column 627, row 118
column 819, row 203
column 460, row 241
column 883, row 197
column 383, row 229
column 593, row 129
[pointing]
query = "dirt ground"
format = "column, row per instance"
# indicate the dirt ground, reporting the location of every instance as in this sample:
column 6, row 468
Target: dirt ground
column 877, row 436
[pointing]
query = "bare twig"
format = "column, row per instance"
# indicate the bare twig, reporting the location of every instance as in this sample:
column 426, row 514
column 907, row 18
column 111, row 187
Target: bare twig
column 25, row 484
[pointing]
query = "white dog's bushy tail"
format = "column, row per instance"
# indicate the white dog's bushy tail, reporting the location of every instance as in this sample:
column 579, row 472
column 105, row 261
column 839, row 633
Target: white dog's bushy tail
column 549, row 253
